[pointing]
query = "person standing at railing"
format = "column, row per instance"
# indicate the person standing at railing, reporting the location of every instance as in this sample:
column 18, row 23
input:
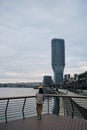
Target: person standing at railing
column 39, row 102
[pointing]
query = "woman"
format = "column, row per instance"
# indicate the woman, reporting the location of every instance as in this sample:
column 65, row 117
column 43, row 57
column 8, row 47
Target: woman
column 39, row 101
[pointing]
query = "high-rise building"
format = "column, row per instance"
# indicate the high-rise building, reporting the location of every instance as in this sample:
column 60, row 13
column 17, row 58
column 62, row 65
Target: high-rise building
column 58, row 59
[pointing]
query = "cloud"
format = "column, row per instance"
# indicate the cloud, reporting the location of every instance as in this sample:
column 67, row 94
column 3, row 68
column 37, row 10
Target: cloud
column 26, row 29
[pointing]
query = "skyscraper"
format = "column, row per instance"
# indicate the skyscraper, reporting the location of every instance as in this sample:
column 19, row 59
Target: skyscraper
column 58, row 59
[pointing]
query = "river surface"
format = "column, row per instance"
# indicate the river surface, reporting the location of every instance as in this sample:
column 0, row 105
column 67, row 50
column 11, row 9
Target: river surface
column 15, row 92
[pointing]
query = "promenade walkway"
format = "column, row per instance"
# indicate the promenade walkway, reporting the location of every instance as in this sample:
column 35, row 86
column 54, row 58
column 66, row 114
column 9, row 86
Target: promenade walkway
column 48, row 122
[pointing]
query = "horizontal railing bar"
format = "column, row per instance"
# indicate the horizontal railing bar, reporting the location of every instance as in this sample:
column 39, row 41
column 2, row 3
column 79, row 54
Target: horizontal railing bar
column 29, row 110
column 46, row 95
column 14, row 115
column 30, row 113
column 17, row 101
column 10, row 110
column 15, row 105
column 20, row 97
column 2, row 118
column 56, row 95
column 2, row 107
column 16, row 112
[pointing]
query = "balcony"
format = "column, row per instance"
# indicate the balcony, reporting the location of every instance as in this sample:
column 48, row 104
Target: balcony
column 59, row 113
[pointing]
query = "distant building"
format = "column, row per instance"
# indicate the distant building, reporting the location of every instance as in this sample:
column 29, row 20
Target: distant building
column 66, row 77
column 82, row 80
column 83, row 75
column 47, row 81
column 75, row 76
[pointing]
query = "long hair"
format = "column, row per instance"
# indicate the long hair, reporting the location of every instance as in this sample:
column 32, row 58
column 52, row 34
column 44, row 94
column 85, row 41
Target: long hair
column 41, row 90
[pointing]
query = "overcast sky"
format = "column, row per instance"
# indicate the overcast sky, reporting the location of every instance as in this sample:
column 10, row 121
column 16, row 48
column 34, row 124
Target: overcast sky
column 26, row 30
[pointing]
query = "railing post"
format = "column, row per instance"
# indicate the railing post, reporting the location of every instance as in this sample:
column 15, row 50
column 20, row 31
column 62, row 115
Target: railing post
column 23, row 108
column 6, row 110
column 72, row 108
column 58, row 104
column 48, row 105
column 64, row 107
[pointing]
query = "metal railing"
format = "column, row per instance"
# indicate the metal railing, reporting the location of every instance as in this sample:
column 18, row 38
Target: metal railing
column 14, row 108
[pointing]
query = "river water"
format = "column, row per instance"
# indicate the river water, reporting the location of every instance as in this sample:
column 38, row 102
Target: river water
column 15, row 92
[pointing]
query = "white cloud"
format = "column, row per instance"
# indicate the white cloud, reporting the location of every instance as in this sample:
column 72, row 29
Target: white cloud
column 26, row 30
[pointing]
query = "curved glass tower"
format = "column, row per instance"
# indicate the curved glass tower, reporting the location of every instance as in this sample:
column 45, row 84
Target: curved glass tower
column 58, row 59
